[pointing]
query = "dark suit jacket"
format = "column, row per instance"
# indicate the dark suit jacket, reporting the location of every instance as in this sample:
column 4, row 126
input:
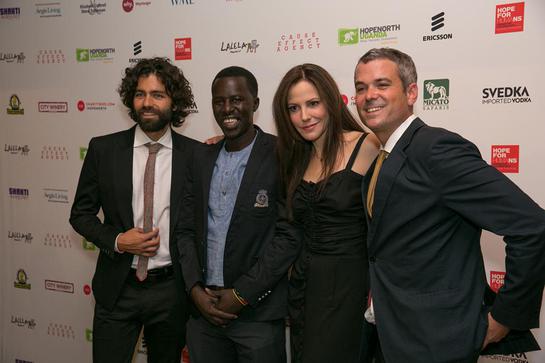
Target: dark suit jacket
column 106, row 182
column 251, row 228
column 434, row 195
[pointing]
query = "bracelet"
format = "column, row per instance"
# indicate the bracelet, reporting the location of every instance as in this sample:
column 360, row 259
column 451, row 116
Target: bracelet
column 239, row 298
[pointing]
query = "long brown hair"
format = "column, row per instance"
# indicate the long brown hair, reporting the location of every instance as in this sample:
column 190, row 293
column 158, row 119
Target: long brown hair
column 292, row 150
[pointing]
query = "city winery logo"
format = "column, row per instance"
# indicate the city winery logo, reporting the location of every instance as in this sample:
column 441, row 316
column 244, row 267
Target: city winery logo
column 384, row 34
column 436, row 94
column 136, row 50
column 22, row 322
column 50, row 56
column 182, row 49
column 12, row 57
column 496, row 280
column 21, row 280
column 294, row 42
column 59, row 286
column 240, row 47
column 54, row 152
column 52, row 195
column 82, row 152
column 10, row 13
column 509, row 18
column 85, row 55
column 64, row 331
column 17, row 149
column 505, row 158
column 49, row 9
column 129, row 5
column 57, row 240
column 25, row 237
column 92, row 7
column 94, row 106
column 15, row 107
column 515, row 94
column 182, row 2
column 52, row 106
column 437, row 22
column 18, row 193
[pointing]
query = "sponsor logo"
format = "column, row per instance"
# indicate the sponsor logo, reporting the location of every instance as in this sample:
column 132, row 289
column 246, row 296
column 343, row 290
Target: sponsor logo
column 21, row 322
column 57, row 240
column 238, row 47
column 297, row 42
column 94, row 106
column 517, row 94
column 12, row 57
column 52, row 106
column 105, row 55
column 20, row 236
column 437, row 22
column 385, row 34
column 496, row 280
column 54, row 152
column 93, row 8
column 50, row 56
column 511, row 358
column 15, row 107
column 59, row 286
column 182, row 48
column 182, row 2
column 129, row 5
column 505, row 158
column 509, row 18
column 21, row 280
column 61, row 331
column 82, row 153
column 17, row 149
column 193, row 108
column 136, row 50
column 436, row 94
column 89, row 246
column 17, row 360
column 10, row 13
column 49, row 10
column 349, row 101
column 18, row 193
column 87, row 289
column 89, row 335
column 56, row 195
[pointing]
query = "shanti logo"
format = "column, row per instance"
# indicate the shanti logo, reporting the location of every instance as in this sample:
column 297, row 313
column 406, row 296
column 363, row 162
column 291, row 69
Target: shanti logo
column 505, row 158
column 50, row 56
column 385, row 34
column 82, row 153
column 510, row 18
column 20, row 321
column 21, row 280
column 496, row 280
column 15, row 107
column 12, row 57
column 17, row 149
column 57, row 240
column 89, row 335
column 436, row 94
column 93, row 8
column 297, row 42
column 237, row 47
column 20, row 237
column 59, row 286
column 61, row 331
column 516, row 94
column 437, row 22
column 18, row 193
column 182, row 48
column 52, row 106
column 10, row 13
column 49, row 10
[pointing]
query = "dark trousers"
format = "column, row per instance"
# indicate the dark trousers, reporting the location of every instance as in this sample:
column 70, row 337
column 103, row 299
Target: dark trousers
column 154, row 305
column 239, row 342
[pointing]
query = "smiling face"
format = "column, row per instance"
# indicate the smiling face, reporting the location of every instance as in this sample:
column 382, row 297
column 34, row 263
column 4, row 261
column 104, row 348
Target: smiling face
column 153, row 106
column 234, row 106
column 382, row 102
column 307, row 111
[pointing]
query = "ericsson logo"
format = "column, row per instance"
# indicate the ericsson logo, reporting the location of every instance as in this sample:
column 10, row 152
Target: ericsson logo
column 437, row 22
column 137, row 47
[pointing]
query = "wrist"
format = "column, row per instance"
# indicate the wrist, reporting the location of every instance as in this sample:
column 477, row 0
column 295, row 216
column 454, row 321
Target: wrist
column 239, row 298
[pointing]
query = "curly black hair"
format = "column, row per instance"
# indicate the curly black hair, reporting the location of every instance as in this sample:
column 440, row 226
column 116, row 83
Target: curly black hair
column 176, row 85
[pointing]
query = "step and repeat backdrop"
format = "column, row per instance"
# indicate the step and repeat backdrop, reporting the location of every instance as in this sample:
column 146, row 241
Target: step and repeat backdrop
column 481, row 74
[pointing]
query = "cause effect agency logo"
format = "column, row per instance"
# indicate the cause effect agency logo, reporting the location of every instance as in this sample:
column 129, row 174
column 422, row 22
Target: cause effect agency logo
column 61, row 331
column 296, row 42
column 436, row 94
column 437, row 22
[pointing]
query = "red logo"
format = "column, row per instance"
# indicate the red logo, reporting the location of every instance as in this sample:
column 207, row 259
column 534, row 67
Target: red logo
column 505, row 158
column 509, row 18
column 496, row 280
column 81, row 105
column 182, row 48
column 128, row 5
column 345, row 99
column 86, row 289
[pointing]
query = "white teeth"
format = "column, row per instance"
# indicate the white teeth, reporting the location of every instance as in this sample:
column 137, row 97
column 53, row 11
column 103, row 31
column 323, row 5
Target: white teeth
column 230, row 121
column 373, row 109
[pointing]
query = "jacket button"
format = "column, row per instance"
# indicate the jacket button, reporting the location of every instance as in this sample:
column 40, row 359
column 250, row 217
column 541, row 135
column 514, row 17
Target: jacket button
column 372, row 259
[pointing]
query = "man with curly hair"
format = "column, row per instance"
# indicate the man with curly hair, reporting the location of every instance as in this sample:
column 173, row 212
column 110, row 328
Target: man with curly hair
column 135, row 176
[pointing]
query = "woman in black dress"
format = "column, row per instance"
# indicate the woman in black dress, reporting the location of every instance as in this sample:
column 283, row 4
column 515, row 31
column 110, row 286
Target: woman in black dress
column 323, row 154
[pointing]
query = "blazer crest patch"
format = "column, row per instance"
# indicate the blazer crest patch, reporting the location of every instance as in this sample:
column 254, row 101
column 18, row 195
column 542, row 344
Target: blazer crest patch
column 262, row 199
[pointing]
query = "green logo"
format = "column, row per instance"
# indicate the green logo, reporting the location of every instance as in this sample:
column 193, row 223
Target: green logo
column 21, row 281
column 348, row 36
column 89, row 335
column 82, row 152
column 89, row 246
column 82, row 55
column 436, row 94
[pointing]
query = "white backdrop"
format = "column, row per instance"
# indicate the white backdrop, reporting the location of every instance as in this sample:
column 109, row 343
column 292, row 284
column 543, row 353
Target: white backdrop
column 58, row 55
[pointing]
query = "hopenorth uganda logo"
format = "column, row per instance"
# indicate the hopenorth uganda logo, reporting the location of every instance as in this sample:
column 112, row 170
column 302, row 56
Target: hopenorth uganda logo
column 436, row 94
column 509, row 18
column 21, row 280
column 437, row 22
column 105, row 55
column 378, row 33
column 498, row 95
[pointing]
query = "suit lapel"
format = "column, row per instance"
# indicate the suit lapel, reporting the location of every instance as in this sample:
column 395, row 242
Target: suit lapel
column 122, row 178
column 176, row 180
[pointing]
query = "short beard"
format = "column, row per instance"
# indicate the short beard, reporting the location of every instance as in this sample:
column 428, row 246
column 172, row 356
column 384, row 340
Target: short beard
column 157, row 125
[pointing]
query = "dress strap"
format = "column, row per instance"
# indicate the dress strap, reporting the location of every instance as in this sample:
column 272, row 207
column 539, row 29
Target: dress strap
column 355, row 152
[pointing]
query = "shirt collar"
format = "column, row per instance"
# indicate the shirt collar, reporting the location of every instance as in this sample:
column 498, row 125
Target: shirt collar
column 396, row 135
column 141, row 139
